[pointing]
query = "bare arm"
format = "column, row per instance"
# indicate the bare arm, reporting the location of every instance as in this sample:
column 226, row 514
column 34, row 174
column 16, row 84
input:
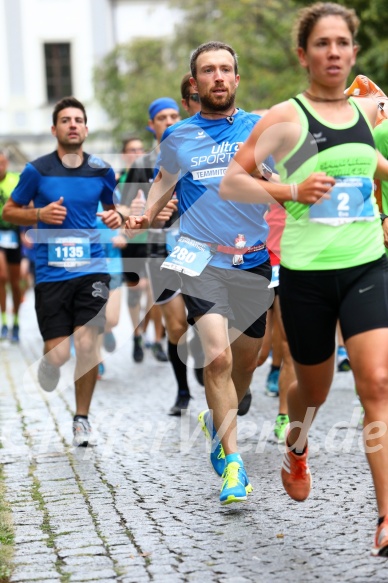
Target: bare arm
column 19, row 215
column 385, row 231
column 275, row 134
column 51, row 214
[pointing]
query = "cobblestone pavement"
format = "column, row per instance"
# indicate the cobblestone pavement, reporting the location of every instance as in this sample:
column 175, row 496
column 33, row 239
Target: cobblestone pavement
column 143, row 505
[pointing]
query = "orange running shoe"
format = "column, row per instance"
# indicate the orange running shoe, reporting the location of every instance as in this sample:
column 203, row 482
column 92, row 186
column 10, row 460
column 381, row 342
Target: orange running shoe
column 296, row 475
column 380, row 548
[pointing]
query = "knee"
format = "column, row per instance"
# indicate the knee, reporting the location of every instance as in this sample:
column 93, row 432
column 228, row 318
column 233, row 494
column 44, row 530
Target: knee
column 312, row 397
column 85, row 346
column 175, row 331
column 374, row 388
column 218, row 362
column 58, row 356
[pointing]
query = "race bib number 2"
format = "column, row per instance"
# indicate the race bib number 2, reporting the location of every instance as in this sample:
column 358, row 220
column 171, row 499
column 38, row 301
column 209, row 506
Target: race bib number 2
column 188, row 256
column 350, row 200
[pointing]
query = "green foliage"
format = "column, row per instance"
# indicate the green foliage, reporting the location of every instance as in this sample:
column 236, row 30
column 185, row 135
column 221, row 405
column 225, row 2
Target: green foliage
column 134, row 74
column 261, row 33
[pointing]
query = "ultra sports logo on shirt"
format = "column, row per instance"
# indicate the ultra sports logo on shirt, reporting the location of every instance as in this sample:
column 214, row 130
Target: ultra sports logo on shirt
column 219, row 154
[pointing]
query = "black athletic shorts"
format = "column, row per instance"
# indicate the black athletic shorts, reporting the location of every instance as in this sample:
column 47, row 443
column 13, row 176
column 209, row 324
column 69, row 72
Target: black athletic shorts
column 134, row 259
column 61, row 306
column 312, row 301
column 13, row 256
column 241, row 295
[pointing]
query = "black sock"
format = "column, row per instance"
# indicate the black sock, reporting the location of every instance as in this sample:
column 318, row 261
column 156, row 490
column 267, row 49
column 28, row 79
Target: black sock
column 380, row 520
column 273, row 368
column 180, row 368
column 76, row 417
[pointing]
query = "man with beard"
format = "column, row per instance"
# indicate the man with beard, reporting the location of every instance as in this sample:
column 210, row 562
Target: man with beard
column 72, row 281
column 221, row 254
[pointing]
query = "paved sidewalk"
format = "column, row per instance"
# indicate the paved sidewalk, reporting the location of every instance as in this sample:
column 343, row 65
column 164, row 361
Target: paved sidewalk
column 143, row 505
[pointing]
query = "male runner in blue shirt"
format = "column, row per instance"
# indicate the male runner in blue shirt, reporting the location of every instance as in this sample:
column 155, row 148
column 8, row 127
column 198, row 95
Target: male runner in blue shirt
column 221, row 255
column 72, row 280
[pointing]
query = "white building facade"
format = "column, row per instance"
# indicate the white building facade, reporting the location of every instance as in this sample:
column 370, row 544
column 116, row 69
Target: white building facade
column 49, row 49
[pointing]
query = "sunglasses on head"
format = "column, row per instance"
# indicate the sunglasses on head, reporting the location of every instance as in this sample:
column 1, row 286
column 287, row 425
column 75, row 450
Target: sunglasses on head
column 193, row 97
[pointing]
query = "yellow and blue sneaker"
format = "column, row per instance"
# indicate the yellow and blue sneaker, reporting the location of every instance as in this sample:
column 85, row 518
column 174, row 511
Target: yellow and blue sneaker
column 217, row 455
column 235, row 486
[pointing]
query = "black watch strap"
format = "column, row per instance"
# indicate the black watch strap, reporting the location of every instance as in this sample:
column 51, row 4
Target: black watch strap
column 383, row 217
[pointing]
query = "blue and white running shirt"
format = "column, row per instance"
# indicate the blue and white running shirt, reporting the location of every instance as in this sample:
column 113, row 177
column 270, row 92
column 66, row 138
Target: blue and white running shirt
column 200, row 150
column 46, row 180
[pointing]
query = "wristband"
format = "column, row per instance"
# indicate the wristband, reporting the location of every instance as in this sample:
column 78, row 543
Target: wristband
column 121, row 216
column 294, row 191
column 383, row 217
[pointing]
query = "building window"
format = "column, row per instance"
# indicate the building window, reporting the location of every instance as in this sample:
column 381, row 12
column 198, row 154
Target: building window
column 58, row 70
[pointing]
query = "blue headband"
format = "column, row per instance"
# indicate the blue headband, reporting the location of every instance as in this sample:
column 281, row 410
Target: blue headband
column 162, row 103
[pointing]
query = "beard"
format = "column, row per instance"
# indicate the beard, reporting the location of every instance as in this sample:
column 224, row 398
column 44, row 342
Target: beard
column 71, row 145
column 210, row 102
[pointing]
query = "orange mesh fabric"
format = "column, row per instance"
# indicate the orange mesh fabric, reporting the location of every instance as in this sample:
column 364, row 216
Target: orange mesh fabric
column 362, row 86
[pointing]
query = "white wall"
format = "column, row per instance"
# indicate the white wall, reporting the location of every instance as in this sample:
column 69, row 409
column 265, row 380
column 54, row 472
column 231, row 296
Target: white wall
column 142, row 18
column 91, row 27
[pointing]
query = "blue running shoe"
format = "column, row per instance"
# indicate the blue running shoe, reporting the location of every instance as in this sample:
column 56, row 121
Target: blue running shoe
column 15, row 334
column 272, row 383
column 4, row 332
column 217, row 455
column 109, row 342
column 235, row 486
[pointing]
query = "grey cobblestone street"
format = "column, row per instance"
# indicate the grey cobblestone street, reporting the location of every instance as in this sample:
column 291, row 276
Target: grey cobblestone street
column 143, row 505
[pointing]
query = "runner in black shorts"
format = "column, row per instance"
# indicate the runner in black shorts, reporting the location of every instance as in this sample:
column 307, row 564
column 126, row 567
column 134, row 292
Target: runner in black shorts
column 226, row 287
column 333, row 264
column 72, row 280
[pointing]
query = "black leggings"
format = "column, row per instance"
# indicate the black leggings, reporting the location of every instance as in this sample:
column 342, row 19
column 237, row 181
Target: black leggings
column 312, row 302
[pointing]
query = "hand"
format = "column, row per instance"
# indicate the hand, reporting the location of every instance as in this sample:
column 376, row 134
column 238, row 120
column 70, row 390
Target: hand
column 54, row 213
column 166, row 213
column 138, row 204
column 134, row 224
column 315, row 188
column 385, row 231
column 119, row 241
column 112, row 219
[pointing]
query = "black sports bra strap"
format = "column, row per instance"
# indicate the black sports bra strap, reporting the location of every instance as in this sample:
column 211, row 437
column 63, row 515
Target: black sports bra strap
column 302, row 105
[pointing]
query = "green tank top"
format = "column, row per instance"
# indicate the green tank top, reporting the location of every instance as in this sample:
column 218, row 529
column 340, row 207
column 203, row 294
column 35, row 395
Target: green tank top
column 346, row 151
column 7, row 185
